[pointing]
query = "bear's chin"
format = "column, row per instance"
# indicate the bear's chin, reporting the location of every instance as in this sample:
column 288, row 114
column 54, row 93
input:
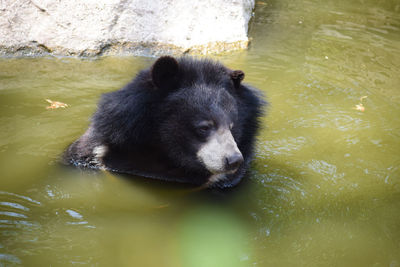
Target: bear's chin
column 224, row 182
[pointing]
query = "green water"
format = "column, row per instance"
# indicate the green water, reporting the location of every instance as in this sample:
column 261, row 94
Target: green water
column 323, row 190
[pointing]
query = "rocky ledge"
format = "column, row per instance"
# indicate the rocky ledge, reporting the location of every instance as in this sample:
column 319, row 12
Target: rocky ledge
column 115, row 27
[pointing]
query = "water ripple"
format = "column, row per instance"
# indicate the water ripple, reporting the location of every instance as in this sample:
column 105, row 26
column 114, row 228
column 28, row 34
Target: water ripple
column 7, row 259
column 13, row 205
column 13, row 214
column 30, row 200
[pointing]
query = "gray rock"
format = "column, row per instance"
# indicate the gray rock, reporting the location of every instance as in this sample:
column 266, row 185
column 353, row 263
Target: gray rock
column 97, row 27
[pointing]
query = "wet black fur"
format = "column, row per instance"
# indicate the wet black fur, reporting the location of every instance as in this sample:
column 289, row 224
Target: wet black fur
column 149, row 125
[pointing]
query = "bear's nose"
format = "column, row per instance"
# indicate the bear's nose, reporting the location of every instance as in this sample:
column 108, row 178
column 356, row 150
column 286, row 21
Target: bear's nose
column 233, row 161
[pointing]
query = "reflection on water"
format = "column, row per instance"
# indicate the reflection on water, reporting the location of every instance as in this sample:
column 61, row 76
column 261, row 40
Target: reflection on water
column 31, row 231
column 323, row 190
column 14, row 218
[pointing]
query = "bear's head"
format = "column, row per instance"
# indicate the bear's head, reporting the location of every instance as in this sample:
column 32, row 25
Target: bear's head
column 198, row 118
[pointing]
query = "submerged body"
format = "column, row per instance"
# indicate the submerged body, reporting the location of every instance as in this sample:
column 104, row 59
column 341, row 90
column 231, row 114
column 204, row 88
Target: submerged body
column 183, row 120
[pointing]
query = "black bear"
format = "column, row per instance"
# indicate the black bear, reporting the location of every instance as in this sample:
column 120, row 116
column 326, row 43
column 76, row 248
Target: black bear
column 185, row 120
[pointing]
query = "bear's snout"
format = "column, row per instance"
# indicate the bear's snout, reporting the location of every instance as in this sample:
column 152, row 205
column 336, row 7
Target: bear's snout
column 220, row 153
column 233, row 161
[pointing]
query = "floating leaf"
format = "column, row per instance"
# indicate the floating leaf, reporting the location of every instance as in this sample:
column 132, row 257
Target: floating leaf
column 360, row 106
column 55, row 104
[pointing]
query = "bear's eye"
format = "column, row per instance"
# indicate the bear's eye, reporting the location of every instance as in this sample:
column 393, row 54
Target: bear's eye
column 204, row 127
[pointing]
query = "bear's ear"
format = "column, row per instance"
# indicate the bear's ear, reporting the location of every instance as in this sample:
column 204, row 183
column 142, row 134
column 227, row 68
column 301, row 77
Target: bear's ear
column 237, row 77
column 164, row 72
